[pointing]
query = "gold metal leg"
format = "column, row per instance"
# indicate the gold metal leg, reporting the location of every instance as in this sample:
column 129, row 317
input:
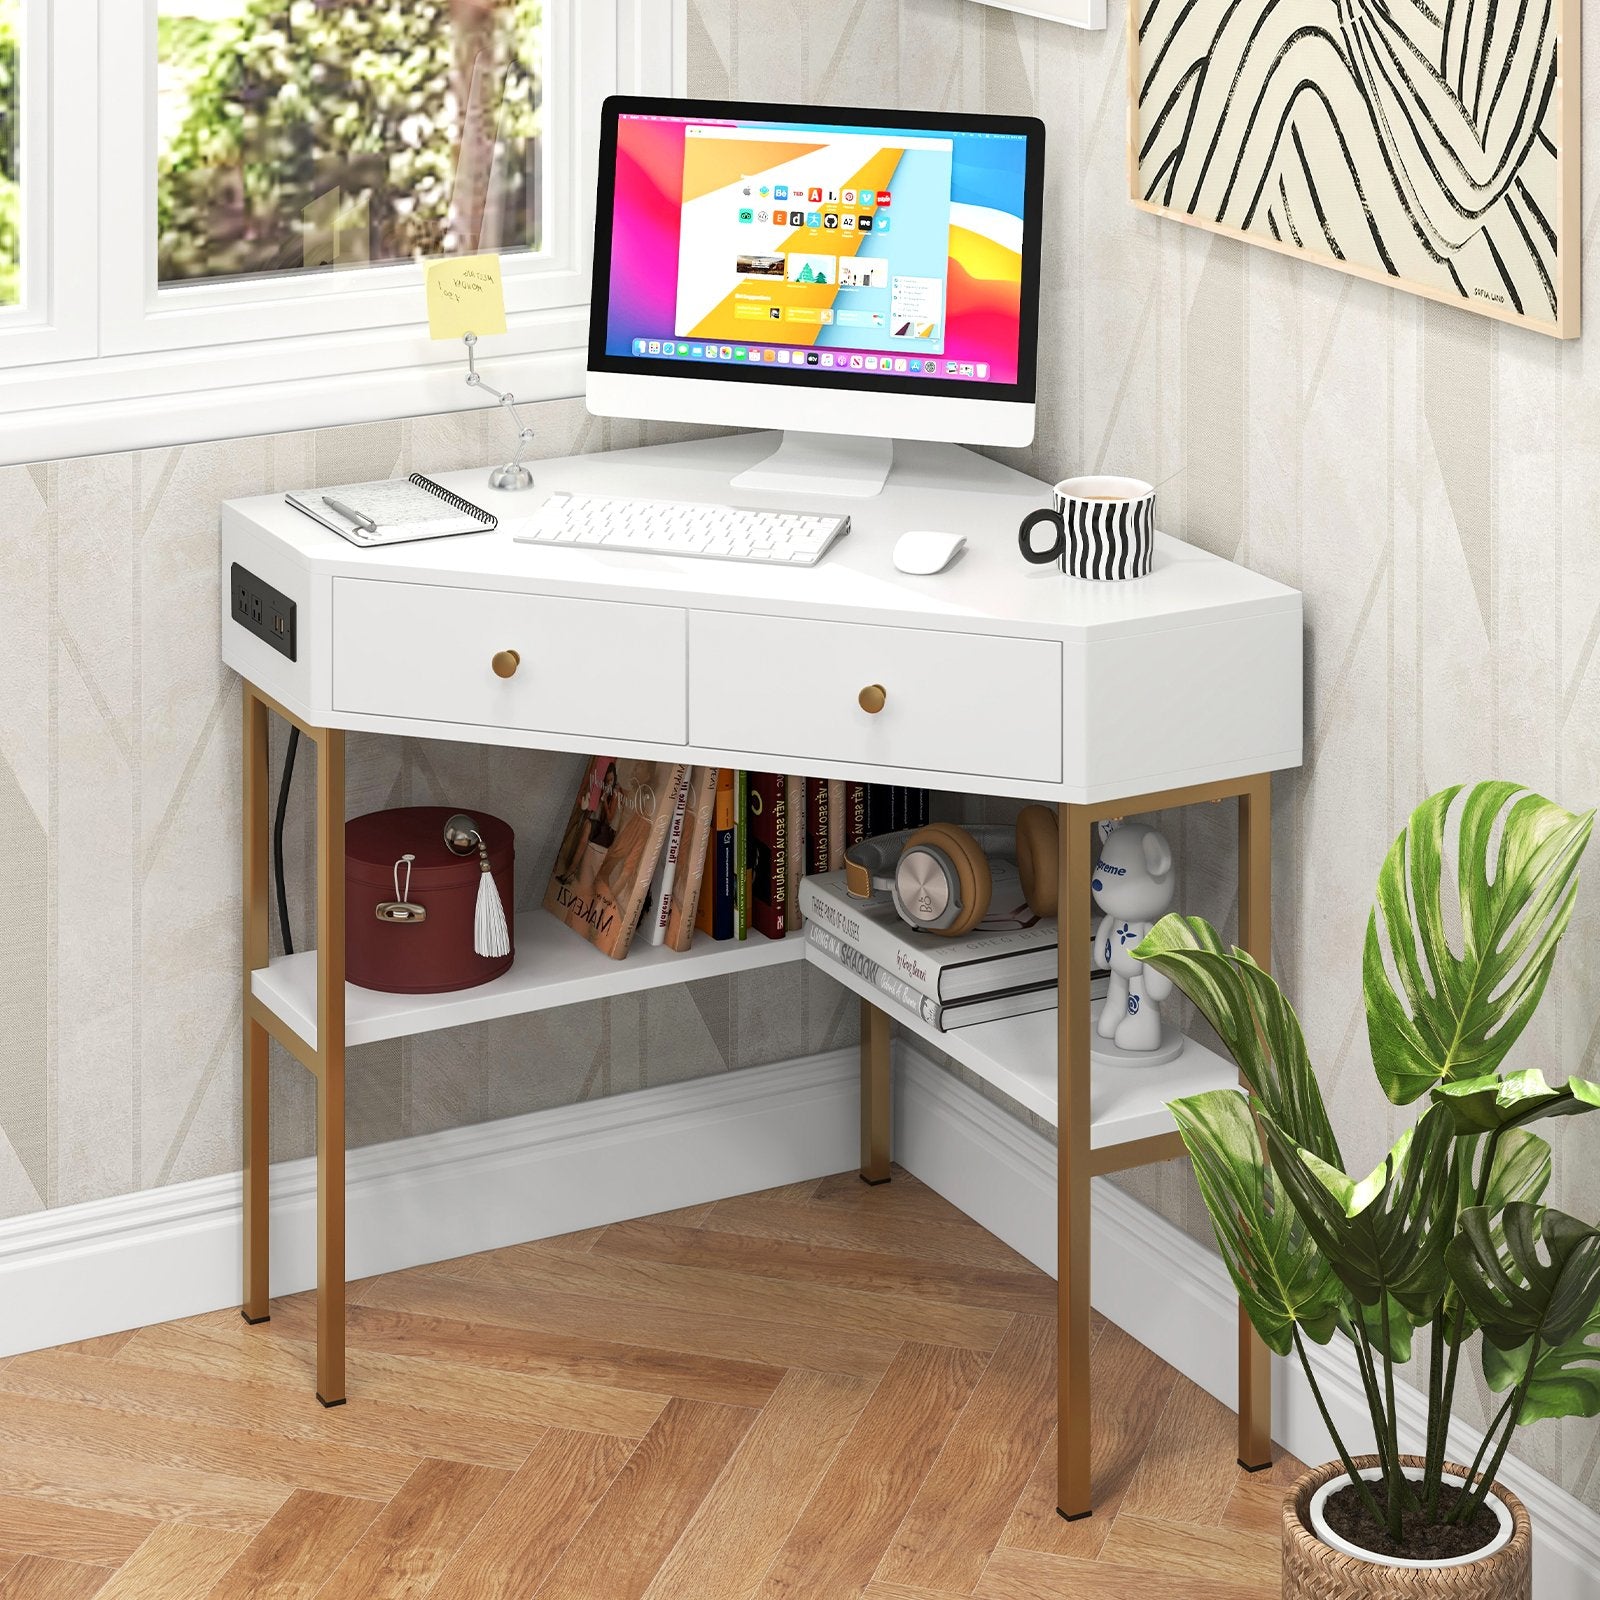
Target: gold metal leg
column 330, row 1075
column 255, row 1307
column 875, row 1110
column 1255, row 936
column 1073, row 1496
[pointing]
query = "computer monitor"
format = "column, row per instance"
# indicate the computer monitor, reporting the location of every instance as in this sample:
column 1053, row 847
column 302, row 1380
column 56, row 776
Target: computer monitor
column 849, row 276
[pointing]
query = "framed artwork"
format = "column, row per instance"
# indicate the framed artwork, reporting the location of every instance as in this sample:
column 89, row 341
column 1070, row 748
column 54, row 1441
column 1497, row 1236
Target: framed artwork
column 1434, row 147
column 1080, row 13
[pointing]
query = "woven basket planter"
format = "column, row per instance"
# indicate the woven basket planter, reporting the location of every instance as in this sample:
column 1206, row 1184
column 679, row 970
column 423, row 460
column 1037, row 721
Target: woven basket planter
column 1315, row 1571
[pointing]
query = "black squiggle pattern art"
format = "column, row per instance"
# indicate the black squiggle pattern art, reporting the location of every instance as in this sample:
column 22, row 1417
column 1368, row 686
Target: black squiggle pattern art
column 1416, row 140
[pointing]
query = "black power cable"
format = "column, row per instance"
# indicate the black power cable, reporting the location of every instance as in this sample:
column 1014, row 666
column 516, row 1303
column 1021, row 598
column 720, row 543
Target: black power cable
column 277, row 840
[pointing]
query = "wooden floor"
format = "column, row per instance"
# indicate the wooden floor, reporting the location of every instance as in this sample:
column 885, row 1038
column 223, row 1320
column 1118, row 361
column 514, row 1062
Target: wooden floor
column 815, row 1393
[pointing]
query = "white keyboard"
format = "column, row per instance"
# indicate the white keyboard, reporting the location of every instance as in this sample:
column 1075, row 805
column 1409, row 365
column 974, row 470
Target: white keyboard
column 681, row 528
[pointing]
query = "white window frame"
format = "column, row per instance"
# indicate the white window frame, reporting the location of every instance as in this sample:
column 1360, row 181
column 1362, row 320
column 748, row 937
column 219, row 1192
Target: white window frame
column 103, row 358
column 55, row 318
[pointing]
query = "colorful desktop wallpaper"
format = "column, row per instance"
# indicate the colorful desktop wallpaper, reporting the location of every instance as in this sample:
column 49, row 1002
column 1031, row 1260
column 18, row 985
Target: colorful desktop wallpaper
column 821, row 244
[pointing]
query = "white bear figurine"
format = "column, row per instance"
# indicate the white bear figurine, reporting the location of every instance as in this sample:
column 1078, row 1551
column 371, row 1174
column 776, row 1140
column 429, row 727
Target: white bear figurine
column 1133, row 885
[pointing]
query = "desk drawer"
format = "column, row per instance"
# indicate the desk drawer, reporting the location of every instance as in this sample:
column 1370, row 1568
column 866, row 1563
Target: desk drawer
column 588, row 667
column 954, row 702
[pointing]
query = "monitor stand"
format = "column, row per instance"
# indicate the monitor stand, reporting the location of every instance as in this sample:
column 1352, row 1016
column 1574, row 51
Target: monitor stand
column 822, row 463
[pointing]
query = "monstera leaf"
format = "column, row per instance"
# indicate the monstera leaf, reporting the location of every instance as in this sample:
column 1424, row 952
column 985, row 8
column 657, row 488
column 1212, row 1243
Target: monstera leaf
column 1540, row 1279
column 1381, row 1235
column 1282, row 1278
column 1521, row 1173
column 1455, row 1017
column 1253, row 1020
column 1480, row 1105
column 1566, row 1376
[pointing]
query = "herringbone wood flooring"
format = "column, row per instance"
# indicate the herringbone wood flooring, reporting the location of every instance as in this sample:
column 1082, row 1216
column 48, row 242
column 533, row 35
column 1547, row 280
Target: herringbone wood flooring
column 825, row 1392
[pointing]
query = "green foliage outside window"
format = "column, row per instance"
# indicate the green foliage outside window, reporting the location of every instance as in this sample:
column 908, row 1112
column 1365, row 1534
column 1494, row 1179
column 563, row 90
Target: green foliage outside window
column 320, row 132
column 10, row 194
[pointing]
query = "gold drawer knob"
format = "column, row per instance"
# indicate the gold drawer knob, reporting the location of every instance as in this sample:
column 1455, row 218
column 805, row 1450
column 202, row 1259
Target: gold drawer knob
column 873, row 699
column 505, row 663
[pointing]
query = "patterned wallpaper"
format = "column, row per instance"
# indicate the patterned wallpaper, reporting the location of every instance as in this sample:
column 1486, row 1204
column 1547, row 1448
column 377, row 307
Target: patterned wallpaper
column 1423, row 476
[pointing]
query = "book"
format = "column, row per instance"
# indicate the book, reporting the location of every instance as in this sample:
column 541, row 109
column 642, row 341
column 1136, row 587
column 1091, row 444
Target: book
column 392, row 511
column 769, row 855
column 1011, row 948
column 717, row 884
column 794, row 805
column 699, row 811
column 664, row 885
column 608, row 854
column 819, row 825
column 855, row 817
column 945, row 1018
column 741, row 855
column 880, row 809
column 835, row 824
column 917, row 808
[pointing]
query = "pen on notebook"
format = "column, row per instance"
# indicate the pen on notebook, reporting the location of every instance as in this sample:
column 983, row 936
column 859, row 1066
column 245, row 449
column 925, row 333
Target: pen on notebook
column 365, row 524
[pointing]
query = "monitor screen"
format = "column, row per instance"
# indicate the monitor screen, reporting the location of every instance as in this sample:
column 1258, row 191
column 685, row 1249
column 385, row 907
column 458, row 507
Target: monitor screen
column 775, row 244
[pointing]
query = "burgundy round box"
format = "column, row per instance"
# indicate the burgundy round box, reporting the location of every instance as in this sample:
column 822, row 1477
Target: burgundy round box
column 434, row 955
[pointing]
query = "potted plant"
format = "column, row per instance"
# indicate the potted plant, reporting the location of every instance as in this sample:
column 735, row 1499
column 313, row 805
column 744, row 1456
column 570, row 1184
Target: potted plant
column 1448, row 1234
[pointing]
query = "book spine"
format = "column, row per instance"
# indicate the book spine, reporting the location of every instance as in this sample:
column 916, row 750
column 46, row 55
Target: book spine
column 717, row 896
column 769, row 848
column 741, row 855
column 869, row 941
column 917, row 808
column 835, row 824
column 794, row 806
column 819, row 825
column 880, row 809
column 855, row 818
column 697, row 826
column 670, row 860
column 647, row 867
column 847, row 956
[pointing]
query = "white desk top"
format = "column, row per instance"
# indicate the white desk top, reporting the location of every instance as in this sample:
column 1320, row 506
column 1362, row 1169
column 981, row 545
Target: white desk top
column 988, row 589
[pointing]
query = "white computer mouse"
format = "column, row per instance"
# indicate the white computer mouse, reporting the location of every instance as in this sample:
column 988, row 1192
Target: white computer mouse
column 924, row 553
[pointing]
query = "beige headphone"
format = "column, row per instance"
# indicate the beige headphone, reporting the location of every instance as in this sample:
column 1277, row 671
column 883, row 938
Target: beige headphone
column 939, row 875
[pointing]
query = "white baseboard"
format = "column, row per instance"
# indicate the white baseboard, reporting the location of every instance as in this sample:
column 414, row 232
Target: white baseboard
column 1151, row 1279
column 149, row 1257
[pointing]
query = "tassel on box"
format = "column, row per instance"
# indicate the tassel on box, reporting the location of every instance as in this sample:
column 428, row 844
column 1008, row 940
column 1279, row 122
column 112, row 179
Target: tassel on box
column 490, row 935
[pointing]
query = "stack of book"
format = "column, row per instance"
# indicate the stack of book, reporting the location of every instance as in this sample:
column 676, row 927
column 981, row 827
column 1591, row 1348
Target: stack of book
column 670, row 848
column 1005, row 967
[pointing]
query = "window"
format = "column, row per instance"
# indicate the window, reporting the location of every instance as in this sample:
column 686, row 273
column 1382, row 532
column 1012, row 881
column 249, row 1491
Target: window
column 223, row 231
column 294, row 136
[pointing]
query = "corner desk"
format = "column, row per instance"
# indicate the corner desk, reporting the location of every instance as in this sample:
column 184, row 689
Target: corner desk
column 1000, row 679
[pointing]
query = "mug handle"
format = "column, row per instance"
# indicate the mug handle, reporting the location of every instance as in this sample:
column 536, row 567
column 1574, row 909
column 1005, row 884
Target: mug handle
column 1043, row 558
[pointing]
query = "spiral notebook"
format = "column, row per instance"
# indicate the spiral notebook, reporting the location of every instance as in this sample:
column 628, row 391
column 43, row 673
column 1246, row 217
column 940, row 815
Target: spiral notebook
column 392, row 511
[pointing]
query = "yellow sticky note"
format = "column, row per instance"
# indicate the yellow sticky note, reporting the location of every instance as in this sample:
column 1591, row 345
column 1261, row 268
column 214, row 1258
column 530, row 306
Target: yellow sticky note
column 465, row 296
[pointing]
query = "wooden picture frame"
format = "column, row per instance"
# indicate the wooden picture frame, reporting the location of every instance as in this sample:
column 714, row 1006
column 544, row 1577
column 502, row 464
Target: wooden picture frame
column 1076, row 13
column 1358, row 147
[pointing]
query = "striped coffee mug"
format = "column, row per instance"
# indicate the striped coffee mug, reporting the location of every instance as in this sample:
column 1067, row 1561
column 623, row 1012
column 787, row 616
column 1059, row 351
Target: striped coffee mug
column 1105, row 528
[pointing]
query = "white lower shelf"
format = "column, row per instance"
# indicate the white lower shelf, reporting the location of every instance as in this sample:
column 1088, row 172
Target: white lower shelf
column 1018, row 1056
column 553, row 967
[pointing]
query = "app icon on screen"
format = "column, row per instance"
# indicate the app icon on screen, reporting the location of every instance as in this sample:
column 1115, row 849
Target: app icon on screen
column 827, row 360
column 884, row 197
column 746, row 214
column 830, row 221
column 814, row 196
column 655, row 347
column 640, row 347
column 848, row 221
column 883, row 224
column 848, row 196
column 983, row 369
column 814, row 219
column 811, row 358
column 866, row 224
column 780, row 192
